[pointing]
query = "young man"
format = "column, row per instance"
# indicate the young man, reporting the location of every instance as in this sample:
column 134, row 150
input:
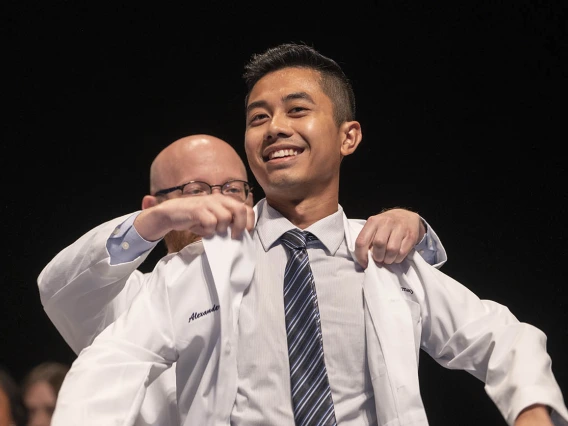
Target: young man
column 300, row 126
column 94, row 280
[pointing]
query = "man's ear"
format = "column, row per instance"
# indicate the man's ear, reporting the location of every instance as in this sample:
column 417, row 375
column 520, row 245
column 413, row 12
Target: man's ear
column 149, row 201
column 352, row 136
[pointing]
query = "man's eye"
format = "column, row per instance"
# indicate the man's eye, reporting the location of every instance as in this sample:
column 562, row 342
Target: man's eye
column 194, row 191
column 233, row 190
column 257, row 117
column 297, row 109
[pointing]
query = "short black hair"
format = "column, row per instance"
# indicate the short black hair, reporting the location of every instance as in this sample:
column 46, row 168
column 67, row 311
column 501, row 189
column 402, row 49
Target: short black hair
column 334, row 82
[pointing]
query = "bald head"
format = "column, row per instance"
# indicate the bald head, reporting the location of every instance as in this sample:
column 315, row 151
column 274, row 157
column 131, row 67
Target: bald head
column 196, row 157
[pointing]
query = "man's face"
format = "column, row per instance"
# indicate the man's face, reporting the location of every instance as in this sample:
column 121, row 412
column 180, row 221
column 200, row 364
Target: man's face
column 292, row 142
column 213, row 165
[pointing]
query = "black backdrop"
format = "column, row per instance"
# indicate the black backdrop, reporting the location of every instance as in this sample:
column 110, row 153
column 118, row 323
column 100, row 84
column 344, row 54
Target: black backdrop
column 462, row 109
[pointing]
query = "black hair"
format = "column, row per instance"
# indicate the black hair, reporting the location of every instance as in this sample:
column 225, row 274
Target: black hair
column 334, row 82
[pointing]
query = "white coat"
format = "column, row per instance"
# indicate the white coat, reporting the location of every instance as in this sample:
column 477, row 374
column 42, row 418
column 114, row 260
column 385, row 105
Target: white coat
column 187, row 313
column 82, row 293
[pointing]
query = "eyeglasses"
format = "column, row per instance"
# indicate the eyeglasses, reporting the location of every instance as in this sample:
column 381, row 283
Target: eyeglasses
column 238, row 189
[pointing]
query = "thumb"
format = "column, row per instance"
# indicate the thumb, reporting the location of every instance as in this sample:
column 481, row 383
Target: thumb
column 251, row 219
column 361, row 255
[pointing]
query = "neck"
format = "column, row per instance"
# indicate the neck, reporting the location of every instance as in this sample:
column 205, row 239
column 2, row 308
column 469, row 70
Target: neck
column 304, row 212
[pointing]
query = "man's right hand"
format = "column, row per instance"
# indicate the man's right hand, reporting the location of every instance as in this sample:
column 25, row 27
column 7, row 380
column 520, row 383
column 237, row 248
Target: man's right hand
column 203, row 215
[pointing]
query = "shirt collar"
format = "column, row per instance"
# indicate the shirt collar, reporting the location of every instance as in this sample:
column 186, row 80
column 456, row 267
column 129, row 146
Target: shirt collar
column 328, row 230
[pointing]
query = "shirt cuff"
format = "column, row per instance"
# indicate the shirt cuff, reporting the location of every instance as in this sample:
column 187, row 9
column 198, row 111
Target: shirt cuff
column 125, row 243
column 427, row 247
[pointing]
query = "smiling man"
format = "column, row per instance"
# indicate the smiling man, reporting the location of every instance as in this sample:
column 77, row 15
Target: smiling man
column 300, row 126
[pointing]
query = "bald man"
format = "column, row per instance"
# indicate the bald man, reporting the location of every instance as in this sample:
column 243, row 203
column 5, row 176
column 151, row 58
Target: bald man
column 94, row 280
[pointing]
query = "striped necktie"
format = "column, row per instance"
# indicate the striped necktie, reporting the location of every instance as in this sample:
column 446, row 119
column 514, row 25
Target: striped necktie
column 311, row 394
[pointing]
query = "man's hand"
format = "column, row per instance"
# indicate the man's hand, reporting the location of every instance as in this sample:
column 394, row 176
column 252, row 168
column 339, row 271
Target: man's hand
column 205, row 216
column 534, row 415
column 390, row 236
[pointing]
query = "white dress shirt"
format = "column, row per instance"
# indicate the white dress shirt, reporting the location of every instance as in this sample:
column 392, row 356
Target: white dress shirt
column 263, row 396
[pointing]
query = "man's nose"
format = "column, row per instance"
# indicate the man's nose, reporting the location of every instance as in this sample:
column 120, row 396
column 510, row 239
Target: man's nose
column 279, row 127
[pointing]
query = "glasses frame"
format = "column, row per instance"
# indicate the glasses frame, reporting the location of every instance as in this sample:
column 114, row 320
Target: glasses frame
column 183, row 185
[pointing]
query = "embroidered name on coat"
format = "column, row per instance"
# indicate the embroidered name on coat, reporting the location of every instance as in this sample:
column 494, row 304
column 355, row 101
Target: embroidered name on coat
column 196, row 315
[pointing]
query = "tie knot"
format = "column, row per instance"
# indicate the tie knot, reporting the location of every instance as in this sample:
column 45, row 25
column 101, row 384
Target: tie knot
column 296, row 238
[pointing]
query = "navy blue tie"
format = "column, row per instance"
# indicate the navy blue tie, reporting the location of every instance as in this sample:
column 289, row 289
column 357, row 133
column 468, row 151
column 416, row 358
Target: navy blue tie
column 311, row 394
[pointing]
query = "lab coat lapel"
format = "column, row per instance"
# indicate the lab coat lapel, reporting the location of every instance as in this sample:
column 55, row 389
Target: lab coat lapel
column 389, row 330
column 232, row 266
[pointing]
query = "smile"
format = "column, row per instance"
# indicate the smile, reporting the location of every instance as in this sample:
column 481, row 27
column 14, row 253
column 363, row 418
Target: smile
column 281, row 153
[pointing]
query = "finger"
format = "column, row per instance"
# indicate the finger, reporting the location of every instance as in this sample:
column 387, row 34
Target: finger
column 251, row 219
column 379, row 244
column 224, row 218
column 248, row 221
column 216, row 215
column 239, row 222
column 361, row 257
column 391, row 245
column 362, row 244
column 205, row 224
column 405, row 248
column 361, row 254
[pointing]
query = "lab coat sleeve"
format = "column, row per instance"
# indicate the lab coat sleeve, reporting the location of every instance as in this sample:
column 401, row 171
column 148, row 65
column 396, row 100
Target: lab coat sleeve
column 107, row 382
column 82, row 292
column 482, row 337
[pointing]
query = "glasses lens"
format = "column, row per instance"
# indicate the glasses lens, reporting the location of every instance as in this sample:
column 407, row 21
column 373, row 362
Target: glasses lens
column 196, row 188
column 236, row 189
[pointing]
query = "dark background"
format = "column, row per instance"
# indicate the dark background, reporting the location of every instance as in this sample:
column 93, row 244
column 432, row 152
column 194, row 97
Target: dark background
column 463, row 110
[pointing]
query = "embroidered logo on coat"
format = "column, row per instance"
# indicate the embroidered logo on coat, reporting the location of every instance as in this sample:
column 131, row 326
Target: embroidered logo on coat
column 196, row 315
column 408, row 290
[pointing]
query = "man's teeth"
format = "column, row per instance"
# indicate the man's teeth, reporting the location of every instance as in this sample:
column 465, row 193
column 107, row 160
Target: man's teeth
column 282, row 153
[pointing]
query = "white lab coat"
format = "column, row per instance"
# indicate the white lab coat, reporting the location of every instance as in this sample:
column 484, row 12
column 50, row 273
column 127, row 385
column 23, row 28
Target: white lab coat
column 188, row 309
column 82, row 293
